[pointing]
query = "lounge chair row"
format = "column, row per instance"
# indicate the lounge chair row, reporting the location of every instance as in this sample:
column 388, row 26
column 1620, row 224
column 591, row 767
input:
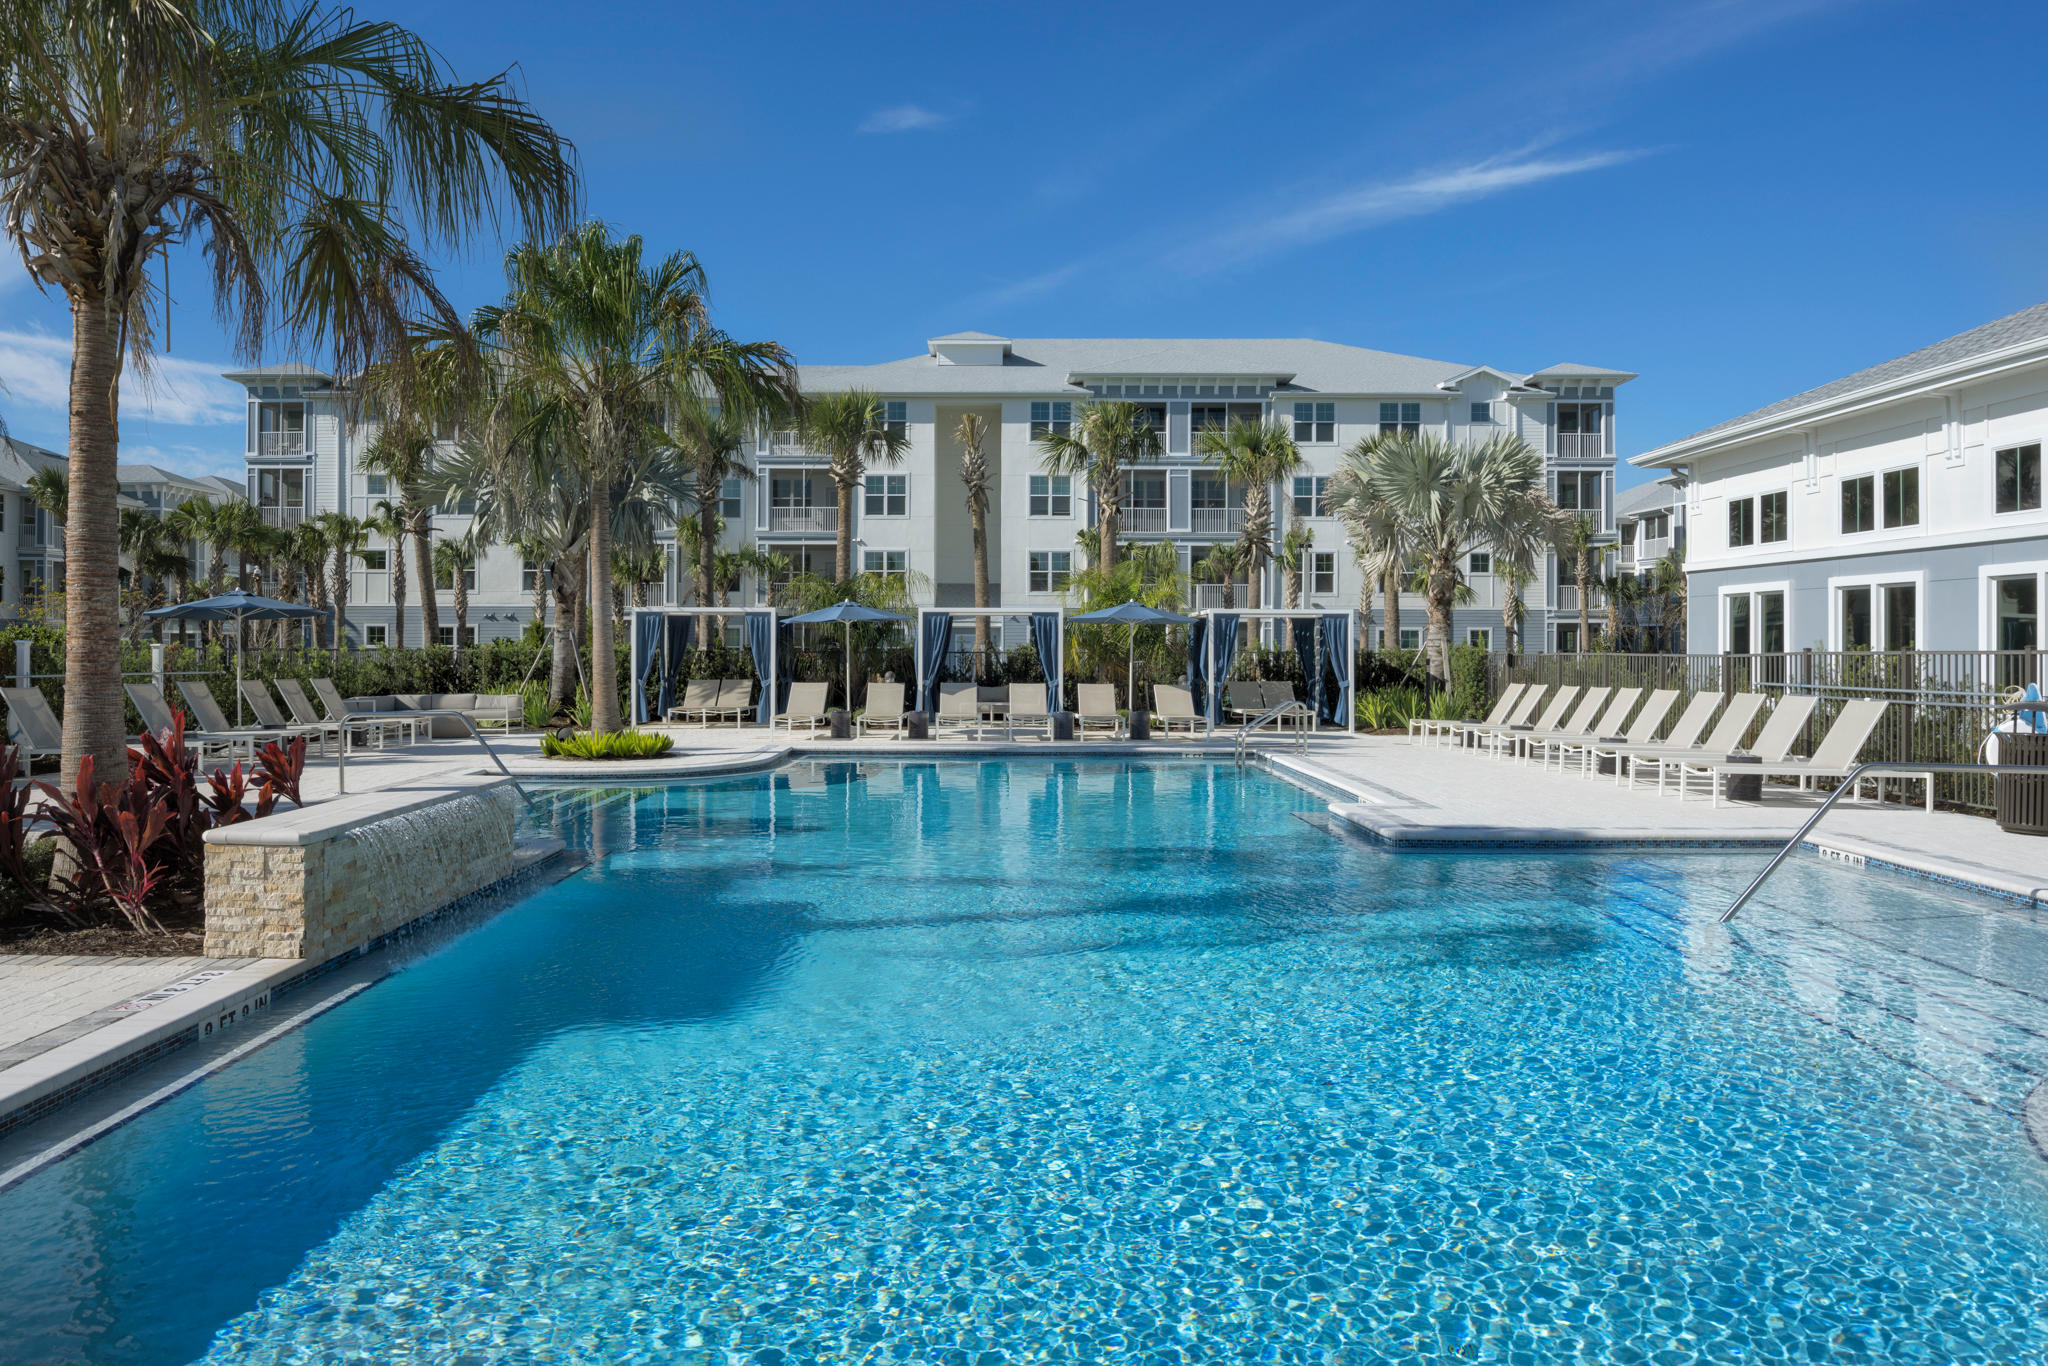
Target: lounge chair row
column 962, row 707
column 1592, row 728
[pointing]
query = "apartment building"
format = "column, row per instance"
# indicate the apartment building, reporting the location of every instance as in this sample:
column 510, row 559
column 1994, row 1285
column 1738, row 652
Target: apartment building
column 1897, row 508
column 911, row 519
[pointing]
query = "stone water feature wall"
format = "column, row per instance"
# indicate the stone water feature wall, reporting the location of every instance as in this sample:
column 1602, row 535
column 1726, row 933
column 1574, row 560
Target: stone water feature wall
column 315, row 883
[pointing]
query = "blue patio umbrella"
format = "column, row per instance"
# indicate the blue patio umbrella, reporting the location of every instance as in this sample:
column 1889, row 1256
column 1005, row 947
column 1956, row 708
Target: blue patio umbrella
column 1133, row 615
column 236, row 607
column 845, row 614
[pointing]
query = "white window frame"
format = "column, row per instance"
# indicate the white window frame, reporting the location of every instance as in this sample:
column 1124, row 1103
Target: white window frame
column 895, row 415
column 1578, row 478
column 1406, row 632
column 1987, row 601
column 1319, row 496
column 376, row 633
column 1053, row 497
column 1322, row 564
column 1785, row 539
column 1992, row 474
column 1053, row 578
column 893, row 487
column 1400, row 422
column 883, row 554
column 1472, row 559
column 1057, row 419
column 1919, row 497
column 1482, row 636
column 1480, row 415
column 1876, row 583
column 730, row 491
column 1311, row 425
column 1751, row 591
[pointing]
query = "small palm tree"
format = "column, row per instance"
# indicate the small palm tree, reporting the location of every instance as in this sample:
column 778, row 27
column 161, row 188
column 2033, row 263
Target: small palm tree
column 712, row 444
column 972, row 434
column 52, row 493
column 306, row 561
column 1103, row 440
column 1578, row 544
column 1294, row 552
column 852, row 428
column 1222, row 565
column 454, row 558
column 633, row 570
column 345, row 537
column 1256, row 455
column 390, row 520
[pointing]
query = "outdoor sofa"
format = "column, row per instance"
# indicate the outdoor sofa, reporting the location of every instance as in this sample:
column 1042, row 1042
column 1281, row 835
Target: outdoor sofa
column 507, row 709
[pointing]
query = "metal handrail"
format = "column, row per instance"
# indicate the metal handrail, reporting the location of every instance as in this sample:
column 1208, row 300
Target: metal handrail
column 1278, row 709
column 1849, row 785
column 387, row 717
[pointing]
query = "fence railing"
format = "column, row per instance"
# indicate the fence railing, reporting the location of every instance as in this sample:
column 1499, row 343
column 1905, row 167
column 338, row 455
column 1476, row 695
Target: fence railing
column 1943, row 702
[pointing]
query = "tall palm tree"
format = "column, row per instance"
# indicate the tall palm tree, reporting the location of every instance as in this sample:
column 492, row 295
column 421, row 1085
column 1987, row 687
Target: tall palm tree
column 593, row 344
column 295, row 145
column 1523, row 539
column 392, row 521
column 48, row 487
column 1102, row 441
column 1222, row 565
column 1294, row 552
column 852, row 428
column 454, row 558
column 1578, row 544
column 1410, row 498
column 972, row 434
column 713, row 446
column 306, row 556
column 633, row 570
column 188, row 522
column 1256, row 455
column 345, row 536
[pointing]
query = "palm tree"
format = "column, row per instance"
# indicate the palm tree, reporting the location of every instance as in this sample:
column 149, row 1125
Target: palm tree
column 852, row 428
column 534, row 550
column 454, row 559
column 771, row 570
column 592, row 346
column 713, row 445
column 1578, row 543
column 295, row 146
column 153, row 550
column 633, row 570
column 972, row 434
column 1148, row 573
column 1417, row 499
column 1103, row 439
column 1524, row 535
column 188, row 522
column 306, row 557
column 1294, row 551
column 1256, row 455
column 345, row 536
column 1222, row 565
column 391, row 521
column 47, row 486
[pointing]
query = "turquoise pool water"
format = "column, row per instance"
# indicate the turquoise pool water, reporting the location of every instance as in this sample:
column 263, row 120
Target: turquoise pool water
column 1105, row 1062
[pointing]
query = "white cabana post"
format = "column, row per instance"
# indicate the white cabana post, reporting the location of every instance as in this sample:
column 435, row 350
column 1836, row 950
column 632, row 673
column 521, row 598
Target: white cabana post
column 1291, row 614
column 1055, row 669
column 638, row 660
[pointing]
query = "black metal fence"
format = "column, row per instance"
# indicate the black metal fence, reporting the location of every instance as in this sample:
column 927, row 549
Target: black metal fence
column 1943, row 702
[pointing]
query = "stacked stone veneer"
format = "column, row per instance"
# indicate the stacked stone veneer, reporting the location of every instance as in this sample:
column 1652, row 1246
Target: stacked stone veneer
column 316, row 883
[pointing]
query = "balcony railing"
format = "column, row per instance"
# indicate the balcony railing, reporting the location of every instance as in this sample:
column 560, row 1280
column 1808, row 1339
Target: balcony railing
column 803, row 519
column 278, row 444
column 1144, row 521
column 1215, row 521
column 1580, row 446
column 277, row 516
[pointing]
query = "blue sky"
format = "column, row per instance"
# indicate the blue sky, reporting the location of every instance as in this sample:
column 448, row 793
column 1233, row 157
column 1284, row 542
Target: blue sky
column 1736, row 200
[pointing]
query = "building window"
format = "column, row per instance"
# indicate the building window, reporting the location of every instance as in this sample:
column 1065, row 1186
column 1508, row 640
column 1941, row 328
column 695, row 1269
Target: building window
column 445, row 582
column 1311, row 495
column 1055, row 418
column 374, row 560
column 1901, row 498
column 447, row 636
column 1657, row 525
column 1400, row 418
column 1052, row 495
column 1568, row 637
column 888, row 495
column 529, row 576
column 1755, row 623
column 1411, row 637
column 1901, row 616
column 280, row 496
column 376, row 485
column 1322, row 576
column 374, row 635
column 1858, row 620
column 1773, row 518
column 889, row 564
column 1579, row 430
column 1049, row 570
column 895, row 415
column 1579, row 490
column 1482, row 413
column 280, row 430
column 1859, row 505
column 729, row 499
column 2019, row 478
column 1482, row 636
column 1317, row 422
column 2016, row 604
column 1203, row 417
column 1480, row 563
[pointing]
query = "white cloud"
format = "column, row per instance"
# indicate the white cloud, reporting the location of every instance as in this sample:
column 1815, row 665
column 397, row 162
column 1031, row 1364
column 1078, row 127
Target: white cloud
column 36, row 369
column 903, row 118
column 1043, row 283
column 1378, row 202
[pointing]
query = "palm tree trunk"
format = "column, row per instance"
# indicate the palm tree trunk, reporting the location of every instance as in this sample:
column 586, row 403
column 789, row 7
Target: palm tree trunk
column 1109, row 512
column 1390, row 589
column 707, row 536
column 461, row 581
column 639, row 592
column 398, row 587
column 540, row 592
column 1258, row 516
column 1443, row 580
column 430, row 601
column 981, row 632
column 842, row 545
column 1582, row 577
column 339, row 590
column 94, row 713
column 604, row 686
column 562, row 669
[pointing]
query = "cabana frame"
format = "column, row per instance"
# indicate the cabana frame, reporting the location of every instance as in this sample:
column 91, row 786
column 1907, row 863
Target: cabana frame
column 640, row 662
column 1209, row 614
column 1056, row 669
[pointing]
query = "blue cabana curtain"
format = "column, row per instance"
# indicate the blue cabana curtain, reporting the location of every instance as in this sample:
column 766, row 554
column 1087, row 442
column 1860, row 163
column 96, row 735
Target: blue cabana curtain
column 1225, row 626
column 1333, row 634
column 760, row 640
column 675, row 650
column 646, row 640
column 1198, row 663
column 1045, row 638
column 937, row 630
column 1307, row 650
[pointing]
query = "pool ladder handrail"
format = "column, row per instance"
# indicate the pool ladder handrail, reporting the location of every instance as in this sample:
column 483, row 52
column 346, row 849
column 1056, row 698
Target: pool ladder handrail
column 389, row 717
column 1849, row 784
column 1287, row 708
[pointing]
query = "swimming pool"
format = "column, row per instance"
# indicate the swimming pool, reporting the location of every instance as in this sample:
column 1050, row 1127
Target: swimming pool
column 1104, row 1061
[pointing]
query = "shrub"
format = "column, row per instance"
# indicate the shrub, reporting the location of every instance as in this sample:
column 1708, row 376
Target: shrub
column 624, row 744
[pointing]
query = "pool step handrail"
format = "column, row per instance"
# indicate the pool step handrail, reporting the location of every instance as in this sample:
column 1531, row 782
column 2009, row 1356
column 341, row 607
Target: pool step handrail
column 1849, row 784
column 1279, row 709
column 341, row 770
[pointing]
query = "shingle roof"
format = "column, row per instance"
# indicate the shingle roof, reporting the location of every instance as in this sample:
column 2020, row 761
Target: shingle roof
column 2015, row 329
column 19, row 461
column 291, row 369
column 970, row 336
column 1654, row 496
column 1568, row 369
column 1041, row 365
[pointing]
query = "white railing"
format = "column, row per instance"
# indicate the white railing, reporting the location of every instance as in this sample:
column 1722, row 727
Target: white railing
column 280, row 443
column 277, row 516
column 1143, row 521
column 1580, row 446
column 803, row 519
column 1215, row 521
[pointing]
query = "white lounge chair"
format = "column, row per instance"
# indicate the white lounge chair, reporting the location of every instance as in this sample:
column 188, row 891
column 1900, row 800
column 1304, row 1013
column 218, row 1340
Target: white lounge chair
column 265, row 709
column 157, row 718
column 1578, row 724
column 1095, row 705
column 699, row 699
column 806, row 704
column 1640, row 731
column 885, row 708
column 1684, row 735
column 1773, row 742
column 1834, row 757
column 1726, row 737
column 32, row 728
column 1607, row 722
column 1524, row 714
column 214, row 722
column 1423, row 727
column 1027, row 711
column 1173, row 706
column 959, row 707
column 735, row 699
column 1501, row 738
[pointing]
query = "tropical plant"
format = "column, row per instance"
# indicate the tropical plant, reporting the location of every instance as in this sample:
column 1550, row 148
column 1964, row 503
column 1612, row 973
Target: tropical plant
column 51, row 493
column 1256, row 455
column 618, row 744
column 1147, row 572
column 634, row 569
column 1101, row 442
column 852, row 428
column 295, row 144
column 455, row 559
column 885, row 592
column 1294, row 552
column 153, row 550
column 388, row 519
column 345, row 537
column 1414, row 499
column 972, row 434
column 712, row 444
column 1523, row 537
column 1222, row 565
column 1577, row 538
column 592, row 346
column 305, row 561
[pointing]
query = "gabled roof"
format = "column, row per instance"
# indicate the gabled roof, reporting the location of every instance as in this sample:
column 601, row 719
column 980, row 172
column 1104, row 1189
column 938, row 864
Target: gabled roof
column 157, row 474
column 1655, row 496
column 290, row 369
column 970, row 337
column 1569, row 370
column 2014, row 333
column 19, row 462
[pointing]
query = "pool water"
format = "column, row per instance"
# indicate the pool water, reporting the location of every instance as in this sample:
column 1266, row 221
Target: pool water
column 1098, row 1061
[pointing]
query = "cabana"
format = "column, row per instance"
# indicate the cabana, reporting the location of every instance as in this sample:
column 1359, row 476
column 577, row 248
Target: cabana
column 1325, row 642
column 668, row 632
column 935, row 641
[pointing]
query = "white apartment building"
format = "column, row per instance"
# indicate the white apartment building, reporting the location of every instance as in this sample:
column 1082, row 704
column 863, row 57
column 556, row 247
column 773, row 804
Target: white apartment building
column 1897, row 508
column 912, row 518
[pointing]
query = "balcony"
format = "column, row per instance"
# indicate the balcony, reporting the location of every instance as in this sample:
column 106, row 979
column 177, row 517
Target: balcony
column 1580, row 446
column 280, row 445
column 284, row 517
column 1143, row 521
column 803, row 519
column 1216, row 521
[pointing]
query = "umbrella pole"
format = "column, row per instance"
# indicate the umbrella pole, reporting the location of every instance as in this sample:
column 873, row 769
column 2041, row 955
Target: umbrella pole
column 849, row 668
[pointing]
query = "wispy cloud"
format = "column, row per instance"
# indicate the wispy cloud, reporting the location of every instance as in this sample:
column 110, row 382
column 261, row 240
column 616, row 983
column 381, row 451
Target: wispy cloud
column 904, row 118
column 1043, row 283
column 1375, row 203
column 184, row 393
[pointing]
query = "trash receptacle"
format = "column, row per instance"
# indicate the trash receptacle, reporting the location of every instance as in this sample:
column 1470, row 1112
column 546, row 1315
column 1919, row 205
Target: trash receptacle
column 842, row 723
column 918, row 725
column 1063, row 725
column 1744, row 789
column 1608, row 761
column 2019, row 801
column 1140, row 724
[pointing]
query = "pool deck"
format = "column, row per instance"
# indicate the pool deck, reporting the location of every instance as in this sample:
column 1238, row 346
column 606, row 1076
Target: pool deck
column 62, row 1020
